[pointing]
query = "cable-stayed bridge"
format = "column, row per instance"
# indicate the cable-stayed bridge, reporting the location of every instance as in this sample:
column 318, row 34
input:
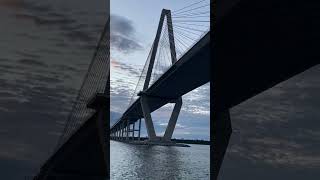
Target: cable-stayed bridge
column 178, row 62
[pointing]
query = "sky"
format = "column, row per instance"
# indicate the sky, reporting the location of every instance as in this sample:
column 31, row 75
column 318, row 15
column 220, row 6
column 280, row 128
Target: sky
column 45, row 50
column 136, row 23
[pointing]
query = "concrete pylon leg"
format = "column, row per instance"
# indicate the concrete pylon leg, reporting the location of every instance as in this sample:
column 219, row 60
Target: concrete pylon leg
column 222, row 130
column 127, row 131
column 173, row 120
column 147, row 116
column 133, row 129
column 139, row 129
column 122, row 131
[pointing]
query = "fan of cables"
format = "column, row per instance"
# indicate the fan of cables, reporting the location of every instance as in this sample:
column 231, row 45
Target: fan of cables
column 190, row 24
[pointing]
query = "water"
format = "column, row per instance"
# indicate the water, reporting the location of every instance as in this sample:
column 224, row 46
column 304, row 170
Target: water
column 129, row 161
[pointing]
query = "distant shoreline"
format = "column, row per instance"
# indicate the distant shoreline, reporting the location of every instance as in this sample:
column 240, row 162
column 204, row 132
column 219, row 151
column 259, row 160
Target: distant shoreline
column 185, row 141
column 189, row 141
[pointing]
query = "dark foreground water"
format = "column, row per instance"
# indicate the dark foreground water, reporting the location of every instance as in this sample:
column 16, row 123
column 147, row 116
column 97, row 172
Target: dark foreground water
column 159, row 162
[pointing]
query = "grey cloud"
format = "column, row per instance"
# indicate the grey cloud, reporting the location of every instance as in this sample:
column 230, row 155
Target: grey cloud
column 79, row 35
column 45, row 21
column 62, row 45
column 32, row 62
column 45, row 15
column 122, row 35
column 28, row 35
column 7, row 67
column 124, row 44
column 27, row 54
column 48, row 51
column 4, row 59
column 66, row 68
column 121, row 25
column 44, row 78
column 67, row 25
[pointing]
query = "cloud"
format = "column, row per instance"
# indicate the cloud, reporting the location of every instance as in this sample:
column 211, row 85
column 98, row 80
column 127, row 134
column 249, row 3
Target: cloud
column 68, row 26
column 122, row 35
column 27, row 54
column 121, row 25
column 66, row 21
column 178, row 126
column 133, row 70
column 45, row 21
column 31, row 62
column 124, row 44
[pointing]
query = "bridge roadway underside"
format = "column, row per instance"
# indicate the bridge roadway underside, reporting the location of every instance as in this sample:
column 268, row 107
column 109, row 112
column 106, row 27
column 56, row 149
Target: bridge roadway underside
column 188, row 73
column 258, row 44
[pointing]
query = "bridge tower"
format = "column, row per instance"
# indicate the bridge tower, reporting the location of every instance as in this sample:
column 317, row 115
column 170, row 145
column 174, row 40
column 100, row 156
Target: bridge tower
column 145, row 98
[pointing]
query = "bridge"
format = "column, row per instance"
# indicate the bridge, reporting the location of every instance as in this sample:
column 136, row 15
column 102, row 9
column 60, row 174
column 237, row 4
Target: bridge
column 183, row 75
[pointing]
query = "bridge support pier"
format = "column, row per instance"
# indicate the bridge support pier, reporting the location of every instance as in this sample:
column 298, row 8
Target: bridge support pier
column 122, row 131
column 173, row 120
column 119, row 133
column 147, row 117
column 133, row 131
column 127, row 130
column 149, row 124
column 139, row 129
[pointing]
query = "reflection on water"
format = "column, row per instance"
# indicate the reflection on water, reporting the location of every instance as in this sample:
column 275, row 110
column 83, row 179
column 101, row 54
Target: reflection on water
column 159, row 162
